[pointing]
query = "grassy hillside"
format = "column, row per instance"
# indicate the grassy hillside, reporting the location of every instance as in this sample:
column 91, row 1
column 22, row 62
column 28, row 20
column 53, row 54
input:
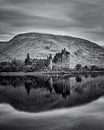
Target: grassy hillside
column 40, row 45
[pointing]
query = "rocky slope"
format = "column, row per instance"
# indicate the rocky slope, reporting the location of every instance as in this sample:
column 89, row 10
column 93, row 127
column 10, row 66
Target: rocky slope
column 40, row 45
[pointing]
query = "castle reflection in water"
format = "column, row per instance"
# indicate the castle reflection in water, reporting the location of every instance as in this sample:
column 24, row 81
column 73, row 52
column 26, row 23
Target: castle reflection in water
column 35, row 94
column 57, row 84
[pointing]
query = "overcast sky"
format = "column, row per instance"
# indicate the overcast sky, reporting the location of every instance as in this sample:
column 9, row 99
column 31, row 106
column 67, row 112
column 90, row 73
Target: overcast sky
column 80, row 18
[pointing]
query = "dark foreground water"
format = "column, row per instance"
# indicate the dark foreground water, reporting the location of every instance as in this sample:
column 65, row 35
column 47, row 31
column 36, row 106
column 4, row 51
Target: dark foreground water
column 52, row 103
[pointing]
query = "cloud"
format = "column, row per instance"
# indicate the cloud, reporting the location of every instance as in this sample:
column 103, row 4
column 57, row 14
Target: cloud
column 83, row 18
column 89, row 19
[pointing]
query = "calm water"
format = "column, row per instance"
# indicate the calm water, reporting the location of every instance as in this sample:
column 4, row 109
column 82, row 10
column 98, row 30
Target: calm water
column 52, row 103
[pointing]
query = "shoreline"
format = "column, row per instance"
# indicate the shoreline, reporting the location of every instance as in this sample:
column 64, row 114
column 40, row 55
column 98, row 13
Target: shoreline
column 50, row 73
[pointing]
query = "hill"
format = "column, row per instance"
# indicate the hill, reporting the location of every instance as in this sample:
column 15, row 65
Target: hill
column 41, row 45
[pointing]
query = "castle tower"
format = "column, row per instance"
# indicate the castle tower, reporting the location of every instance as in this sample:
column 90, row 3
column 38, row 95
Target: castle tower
column 65, row 58
column 27, row 60
column 50, row 62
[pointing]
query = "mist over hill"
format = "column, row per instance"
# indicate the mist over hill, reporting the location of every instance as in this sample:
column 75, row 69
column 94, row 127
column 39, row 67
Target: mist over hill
column 41, row 45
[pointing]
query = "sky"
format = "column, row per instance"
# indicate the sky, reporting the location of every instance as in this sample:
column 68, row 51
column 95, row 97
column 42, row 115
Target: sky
column 79, row 18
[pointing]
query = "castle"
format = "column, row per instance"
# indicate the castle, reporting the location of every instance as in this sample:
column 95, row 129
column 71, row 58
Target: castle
column 61, row 58
column 39, row 64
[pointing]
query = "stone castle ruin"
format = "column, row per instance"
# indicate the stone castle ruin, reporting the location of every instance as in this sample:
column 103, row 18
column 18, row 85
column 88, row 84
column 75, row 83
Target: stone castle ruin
column 49, row 63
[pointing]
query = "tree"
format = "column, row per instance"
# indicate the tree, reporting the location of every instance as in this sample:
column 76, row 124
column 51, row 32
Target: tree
column 78, row 67
column 94, row 68
column 86, row 68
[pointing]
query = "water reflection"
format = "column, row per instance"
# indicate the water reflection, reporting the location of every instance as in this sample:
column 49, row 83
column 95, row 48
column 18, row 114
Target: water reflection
column 36, row 94
column 28, row 87
column 62, row 87
column 78, row 78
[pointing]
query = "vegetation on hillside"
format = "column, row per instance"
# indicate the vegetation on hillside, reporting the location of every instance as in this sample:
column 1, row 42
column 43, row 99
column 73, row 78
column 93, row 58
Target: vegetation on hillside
column 49, row 64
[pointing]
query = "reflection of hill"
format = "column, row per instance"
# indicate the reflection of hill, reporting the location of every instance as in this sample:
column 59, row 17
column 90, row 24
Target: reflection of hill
column 44, row 93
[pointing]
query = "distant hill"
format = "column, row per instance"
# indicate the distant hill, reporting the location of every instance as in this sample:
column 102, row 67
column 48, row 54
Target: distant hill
column 102, row 47
column 41, row 45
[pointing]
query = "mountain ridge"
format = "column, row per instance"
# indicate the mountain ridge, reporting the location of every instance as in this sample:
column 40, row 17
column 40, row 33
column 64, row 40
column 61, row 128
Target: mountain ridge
column 40, row 45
